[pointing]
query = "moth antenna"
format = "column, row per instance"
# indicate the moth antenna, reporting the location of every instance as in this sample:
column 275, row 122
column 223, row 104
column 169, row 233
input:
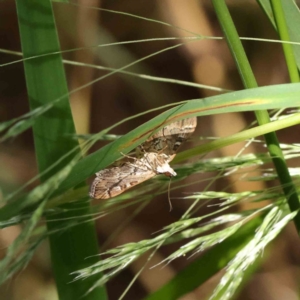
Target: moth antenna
column 169, row 192
column 128, row 156
column 131, row 157
column 162, row 150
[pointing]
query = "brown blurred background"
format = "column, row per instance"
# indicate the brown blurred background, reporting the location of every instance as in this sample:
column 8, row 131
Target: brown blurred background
column 110, row 100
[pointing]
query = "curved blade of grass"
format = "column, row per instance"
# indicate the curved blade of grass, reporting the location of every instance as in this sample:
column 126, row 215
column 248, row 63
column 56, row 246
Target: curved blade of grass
column 45, row 80
column 27, row 120
column 260, row 98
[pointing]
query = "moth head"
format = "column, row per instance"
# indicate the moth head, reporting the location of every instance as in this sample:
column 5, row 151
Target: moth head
column 166, row 170
column 170, row 174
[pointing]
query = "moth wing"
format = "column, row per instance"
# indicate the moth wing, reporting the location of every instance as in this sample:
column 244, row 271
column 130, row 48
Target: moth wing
column 116, row 180
column 169, row 138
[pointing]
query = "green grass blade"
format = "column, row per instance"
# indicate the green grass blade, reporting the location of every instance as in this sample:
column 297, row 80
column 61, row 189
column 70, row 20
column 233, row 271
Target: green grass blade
column 284, row 35
column 262, row 116
column 239, row 137
column 230, row 102
column 292, row 18
column 46, row 82
column 238, row 101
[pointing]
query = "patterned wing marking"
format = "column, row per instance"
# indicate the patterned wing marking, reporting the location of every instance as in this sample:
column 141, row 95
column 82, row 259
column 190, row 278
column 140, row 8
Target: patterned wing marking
column 169, row 138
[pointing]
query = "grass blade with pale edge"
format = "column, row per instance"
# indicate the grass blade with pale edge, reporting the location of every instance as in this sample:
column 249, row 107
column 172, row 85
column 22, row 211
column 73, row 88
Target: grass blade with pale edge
column 46, row 82
column 275, row 96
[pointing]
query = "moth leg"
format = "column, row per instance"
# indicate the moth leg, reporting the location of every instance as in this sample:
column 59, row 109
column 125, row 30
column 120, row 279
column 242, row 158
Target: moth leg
column 140, row 151
column 130, row 157
column 134, row 164
column 162, row 150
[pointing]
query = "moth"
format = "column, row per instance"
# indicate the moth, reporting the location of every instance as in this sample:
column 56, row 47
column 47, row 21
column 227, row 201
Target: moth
column 152, row 158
